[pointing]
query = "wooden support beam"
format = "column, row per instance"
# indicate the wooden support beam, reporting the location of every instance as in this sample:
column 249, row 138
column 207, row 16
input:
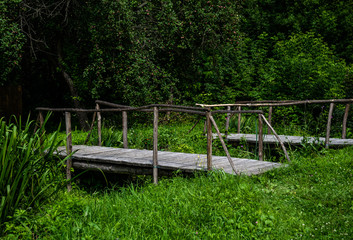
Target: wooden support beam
column 239, row 119
column 227, row 120
column 223, row 144
column 261, row 141
column 328, row 127
column 99, row 125
column 125, row 141
column 68, row 149
column 91, row 128
column 41, row 119
column 344, row 125
column 209, row 140
column 269, row 119
column 41, row 123
column 155, row 145
column 278, row 138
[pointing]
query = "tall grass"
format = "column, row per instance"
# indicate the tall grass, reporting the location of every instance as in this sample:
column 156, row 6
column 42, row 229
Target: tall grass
column 29, row 171
column 309, row 199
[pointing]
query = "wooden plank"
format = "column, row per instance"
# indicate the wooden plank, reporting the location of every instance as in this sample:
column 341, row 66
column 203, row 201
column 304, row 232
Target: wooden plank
column 130, row 160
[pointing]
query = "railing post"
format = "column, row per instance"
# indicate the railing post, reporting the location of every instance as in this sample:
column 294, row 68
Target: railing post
column 239, row 119
column 155, row 145
column 227, row 120
column 209, row 140
column 124, row 115
column 99, row 125
column 269, row 120
column 41, row 119
column 68, row 149
column 344, row 125
column 328, row 128
column 261, row 142
column 41, row 123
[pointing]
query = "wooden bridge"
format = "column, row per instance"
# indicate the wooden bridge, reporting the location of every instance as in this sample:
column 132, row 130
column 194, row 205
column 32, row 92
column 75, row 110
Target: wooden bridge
column 153, row 161
column 134, row 161
column 288, row 140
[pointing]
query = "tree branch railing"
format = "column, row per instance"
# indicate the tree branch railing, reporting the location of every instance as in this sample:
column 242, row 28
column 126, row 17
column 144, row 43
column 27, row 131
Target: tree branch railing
column 275, row 103
column 155, row 109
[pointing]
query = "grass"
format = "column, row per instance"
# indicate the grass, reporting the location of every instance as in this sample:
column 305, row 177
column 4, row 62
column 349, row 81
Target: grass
column 29, row 171
column 312, row 198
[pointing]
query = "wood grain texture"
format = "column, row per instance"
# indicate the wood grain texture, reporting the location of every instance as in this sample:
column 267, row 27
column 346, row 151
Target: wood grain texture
column 289, row 140
column 135, row 161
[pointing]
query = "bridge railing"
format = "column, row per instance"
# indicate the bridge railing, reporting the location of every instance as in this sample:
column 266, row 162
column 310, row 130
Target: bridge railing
column 274, row 103
column 156, row 108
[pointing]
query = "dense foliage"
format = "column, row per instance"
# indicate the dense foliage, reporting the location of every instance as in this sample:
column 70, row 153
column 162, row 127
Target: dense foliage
column 138, row 52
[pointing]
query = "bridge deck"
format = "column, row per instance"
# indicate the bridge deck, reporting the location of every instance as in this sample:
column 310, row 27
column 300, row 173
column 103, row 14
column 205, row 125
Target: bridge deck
column 292, row 140
column 134, row 161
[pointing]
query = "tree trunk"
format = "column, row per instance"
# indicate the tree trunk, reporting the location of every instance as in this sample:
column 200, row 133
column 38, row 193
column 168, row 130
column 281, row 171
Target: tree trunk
column 82, row 116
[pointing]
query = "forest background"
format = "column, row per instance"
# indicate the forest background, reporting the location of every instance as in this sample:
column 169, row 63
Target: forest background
column 68, row 52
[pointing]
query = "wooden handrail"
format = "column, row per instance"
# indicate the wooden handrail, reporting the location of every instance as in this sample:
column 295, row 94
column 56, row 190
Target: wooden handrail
column 156, row 109
column 277, row 103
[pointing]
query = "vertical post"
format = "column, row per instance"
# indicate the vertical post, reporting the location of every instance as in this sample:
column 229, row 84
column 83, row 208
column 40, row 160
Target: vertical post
column 344, row 125
column 155, row 145
column 99, row 125
column 41, row 123
column 209, row 140
column 261, row 142
column 227, row 120
column 41, row 119
column 239, row 119
column 125, row 129
column 328, row 128
column 269, row 120
column 68, row 149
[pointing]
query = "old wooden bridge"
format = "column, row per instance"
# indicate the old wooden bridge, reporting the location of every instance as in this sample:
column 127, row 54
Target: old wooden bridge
column 136, row 161
column 289, row 140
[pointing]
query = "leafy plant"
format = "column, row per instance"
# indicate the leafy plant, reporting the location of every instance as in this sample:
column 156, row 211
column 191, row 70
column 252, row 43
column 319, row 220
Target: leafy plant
column 30, row 172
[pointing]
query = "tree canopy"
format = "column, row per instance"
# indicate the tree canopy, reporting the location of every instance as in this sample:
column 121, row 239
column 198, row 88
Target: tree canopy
column 138, row 52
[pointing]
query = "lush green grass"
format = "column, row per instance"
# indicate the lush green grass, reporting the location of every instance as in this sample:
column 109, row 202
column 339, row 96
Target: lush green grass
column 311, row 198
column 29, row 172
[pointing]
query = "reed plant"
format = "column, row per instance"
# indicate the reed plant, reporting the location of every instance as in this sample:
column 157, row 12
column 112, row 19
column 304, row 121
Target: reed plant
column 29, row 173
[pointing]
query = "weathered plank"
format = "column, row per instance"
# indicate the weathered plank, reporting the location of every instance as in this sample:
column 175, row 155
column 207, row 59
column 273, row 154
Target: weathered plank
column 292, row 140
column 135, row 161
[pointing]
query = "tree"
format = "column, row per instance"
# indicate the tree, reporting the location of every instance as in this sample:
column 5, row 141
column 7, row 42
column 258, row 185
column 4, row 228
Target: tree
column 149, row 52
column 11, row 41
column 302, row 67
